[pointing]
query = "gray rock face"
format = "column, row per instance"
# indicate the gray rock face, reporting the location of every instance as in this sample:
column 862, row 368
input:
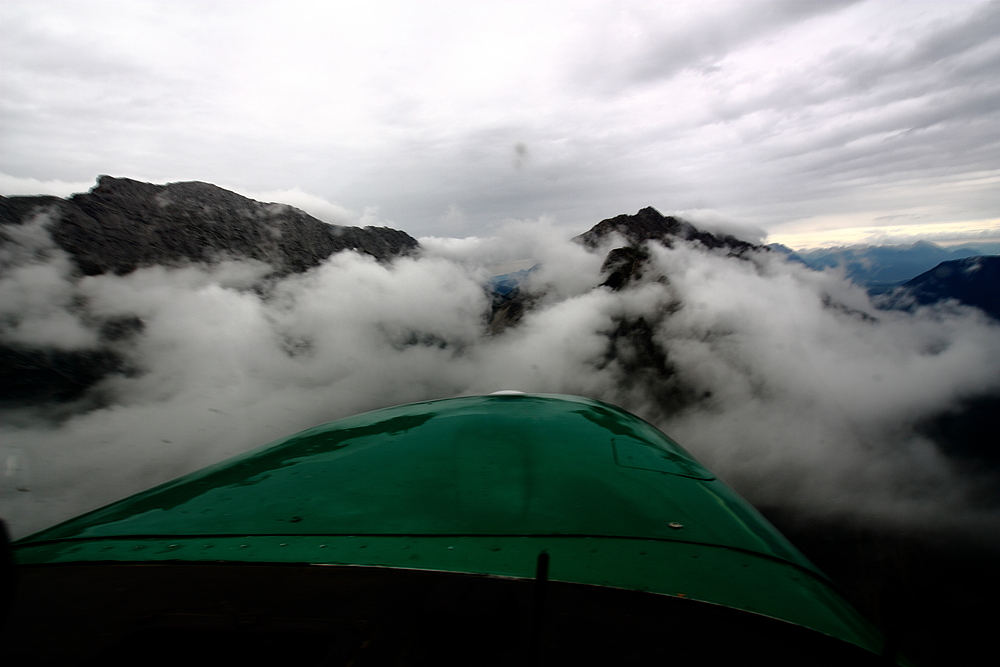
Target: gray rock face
column 123, row 224
column 623, row 265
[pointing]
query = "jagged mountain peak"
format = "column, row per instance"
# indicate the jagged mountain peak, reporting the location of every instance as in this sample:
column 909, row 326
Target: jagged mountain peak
column 648, row 224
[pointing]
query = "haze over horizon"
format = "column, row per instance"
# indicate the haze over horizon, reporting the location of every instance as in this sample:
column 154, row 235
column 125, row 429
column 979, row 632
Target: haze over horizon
column 810, row 123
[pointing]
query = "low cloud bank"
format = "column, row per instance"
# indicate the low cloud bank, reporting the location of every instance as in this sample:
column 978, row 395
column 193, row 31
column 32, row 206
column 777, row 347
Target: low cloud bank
column 783, row 380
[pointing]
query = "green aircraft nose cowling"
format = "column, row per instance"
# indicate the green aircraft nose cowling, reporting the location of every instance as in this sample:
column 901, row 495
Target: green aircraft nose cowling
column 479, row 485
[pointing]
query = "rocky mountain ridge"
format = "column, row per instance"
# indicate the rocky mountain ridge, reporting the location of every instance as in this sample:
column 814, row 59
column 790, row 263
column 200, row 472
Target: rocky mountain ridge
column 123, row 224
column 880, row 268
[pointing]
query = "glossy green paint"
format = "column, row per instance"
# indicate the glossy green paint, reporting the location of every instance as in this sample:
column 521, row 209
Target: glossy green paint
column 480, row 485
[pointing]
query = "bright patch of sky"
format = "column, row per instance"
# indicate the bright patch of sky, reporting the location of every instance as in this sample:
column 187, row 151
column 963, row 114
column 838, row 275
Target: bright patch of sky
column 814, row 121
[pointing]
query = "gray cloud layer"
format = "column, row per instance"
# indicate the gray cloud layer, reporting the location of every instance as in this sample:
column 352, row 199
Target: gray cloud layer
column 788, row 115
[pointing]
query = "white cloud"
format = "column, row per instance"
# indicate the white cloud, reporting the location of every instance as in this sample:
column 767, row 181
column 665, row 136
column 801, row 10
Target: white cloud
column 37, row 297
column 717, row 222
column 314, row 205
column 809, row 405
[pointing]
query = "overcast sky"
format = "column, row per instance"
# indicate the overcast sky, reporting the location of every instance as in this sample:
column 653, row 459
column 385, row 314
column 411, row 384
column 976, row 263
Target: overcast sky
column 815, row 121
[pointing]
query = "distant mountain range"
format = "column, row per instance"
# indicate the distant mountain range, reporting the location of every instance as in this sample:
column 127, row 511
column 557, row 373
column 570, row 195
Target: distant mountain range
column 921, row 274
column 972, row 281
column 883, row 267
